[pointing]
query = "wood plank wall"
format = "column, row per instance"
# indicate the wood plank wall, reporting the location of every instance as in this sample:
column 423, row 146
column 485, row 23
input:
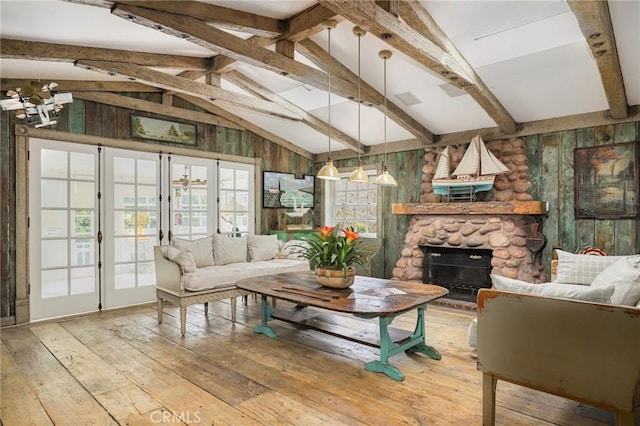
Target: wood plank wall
column 95, row 119
column 550, row 157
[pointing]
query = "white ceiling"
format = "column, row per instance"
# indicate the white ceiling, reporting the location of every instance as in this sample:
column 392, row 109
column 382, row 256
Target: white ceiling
column 530, row 54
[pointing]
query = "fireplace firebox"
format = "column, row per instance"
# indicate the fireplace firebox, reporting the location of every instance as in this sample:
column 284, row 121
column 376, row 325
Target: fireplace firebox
column 463, row 271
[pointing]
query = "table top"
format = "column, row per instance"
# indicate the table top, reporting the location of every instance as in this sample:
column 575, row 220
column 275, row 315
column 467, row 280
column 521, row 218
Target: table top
column 366, row 296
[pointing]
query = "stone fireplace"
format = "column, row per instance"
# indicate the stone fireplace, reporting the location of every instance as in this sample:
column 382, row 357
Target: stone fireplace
column 506, row 222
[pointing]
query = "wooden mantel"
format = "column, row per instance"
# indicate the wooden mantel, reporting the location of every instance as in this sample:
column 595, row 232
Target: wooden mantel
column 477, row 208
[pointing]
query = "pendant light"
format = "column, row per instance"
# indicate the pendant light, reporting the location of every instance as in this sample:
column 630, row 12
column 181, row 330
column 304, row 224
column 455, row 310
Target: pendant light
column 359, row 175
column 385, row 179
column 329, row 171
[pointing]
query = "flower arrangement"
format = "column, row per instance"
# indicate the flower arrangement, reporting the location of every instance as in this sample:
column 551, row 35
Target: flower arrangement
column 336, row 248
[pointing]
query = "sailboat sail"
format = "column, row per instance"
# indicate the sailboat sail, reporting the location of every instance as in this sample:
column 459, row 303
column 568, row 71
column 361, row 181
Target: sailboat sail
column 475, row 173
column 442, row 170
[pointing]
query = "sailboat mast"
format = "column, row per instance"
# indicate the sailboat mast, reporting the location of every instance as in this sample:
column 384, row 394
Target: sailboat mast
column 476, row 141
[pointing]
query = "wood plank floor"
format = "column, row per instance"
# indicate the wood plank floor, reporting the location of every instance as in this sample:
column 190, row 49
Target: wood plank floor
column 122, row 367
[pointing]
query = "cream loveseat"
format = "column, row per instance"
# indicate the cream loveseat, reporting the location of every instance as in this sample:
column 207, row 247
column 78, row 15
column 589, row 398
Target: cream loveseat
column 206, row 270
column 586, row 349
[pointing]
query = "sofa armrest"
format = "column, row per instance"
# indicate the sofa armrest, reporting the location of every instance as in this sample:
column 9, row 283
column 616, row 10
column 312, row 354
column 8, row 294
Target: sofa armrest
column 580, row 350
column 168, row 273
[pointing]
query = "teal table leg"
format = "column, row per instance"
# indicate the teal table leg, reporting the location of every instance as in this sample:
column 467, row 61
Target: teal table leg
column 386, row 350
column 419, row 334
column 264, row 328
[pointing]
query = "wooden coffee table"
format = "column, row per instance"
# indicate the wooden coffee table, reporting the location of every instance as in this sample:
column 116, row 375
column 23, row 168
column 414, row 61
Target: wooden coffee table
column 366, row 298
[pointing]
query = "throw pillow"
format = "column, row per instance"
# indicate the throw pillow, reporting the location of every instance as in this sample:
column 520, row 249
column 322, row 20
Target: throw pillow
column 291, row 249
column 624, row 276
column 580, row 268
column 263, row 247
column 229, row 250
column 201, row 249
column 566, row 291
column 184, row 258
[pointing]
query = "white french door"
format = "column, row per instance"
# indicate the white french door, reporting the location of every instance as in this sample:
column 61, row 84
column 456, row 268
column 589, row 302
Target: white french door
column 63, row 228
column 131, row 226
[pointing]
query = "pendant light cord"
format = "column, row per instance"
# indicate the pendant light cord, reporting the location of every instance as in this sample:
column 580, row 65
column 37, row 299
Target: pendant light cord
column 385, row 111
column 330, row 59
column 359, row 95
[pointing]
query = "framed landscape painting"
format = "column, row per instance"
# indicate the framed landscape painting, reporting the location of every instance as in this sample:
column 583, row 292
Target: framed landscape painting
column 606, row 181
column 162, row 130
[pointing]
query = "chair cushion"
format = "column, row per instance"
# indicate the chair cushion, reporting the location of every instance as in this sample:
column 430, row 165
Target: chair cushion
column 565, row 291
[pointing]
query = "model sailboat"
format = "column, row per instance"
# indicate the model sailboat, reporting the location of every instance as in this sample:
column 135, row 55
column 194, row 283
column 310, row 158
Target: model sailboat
column 475, row 173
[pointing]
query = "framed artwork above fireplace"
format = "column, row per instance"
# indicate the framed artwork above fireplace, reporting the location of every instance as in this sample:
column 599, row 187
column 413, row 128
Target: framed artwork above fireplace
column 606, row 181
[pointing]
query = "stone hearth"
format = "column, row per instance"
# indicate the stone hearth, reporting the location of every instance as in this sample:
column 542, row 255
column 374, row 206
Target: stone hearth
column 449, row 225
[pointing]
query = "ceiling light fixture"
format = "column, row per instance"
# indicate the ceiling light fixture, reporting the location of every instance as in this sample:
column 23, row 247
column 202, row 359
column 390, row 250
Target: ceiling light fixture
column 385, row 179
column 359, row 175
column 38, row 103
column 185, row 182
column 329, row 171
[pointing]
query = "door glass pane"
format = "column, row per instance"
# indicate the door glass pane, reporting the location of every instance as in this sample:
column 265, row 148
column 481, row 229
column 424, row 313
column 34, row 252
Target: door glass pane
column 82, row 223
column 125, row 276
column 82, row 195
column 146, row 197
column 124, row 196
column 226, row 178
column 82, row 252
column 124, row 222
column 53, row 193
column 146, row 274
column 83, row 280
column 54, row 283
column 124, row 249
column 123, row 169
column 147, row 172
column 53, row 164
column 145, row 248
column 82, row 166
column 53, row 223
column 242, row 180
column 54, row 253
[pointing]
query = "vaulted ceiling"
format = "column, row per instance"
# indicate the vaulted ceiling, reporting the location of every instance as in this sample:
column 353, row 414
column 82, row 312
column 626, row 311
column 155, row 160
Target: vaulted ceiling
column 457, row 67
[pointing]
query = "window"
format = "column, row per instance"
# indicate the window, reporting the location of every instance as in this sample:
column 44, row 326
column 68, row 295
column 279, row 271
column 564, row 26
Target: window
column 236, row 183
column 353, row 204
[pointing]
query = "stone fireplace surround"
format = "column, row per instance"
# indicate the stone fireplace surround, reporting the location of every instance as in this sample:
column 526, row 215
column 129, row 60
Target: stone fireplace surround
column 495, row 222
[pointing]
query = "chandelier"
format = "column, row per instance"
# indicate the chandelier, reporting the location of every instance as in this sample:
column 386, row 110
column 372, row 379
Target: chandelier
column 185, row 182
column 38, row 103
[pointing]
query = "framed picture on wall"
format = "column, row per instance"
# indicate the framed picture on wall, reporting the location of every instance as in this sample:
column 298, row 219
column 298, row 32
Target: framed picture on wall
column 283, row 190
column 606, row 181
column 163, row 130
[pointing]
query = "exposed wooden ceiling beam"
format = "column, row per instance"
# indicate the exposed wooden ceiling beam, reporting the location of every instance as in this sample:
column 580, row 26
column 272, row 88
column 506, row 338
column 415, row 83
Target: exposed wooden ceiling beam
column 86, row 86
column 235, row 47
column 214, row 109
column 411, row 42
column 315, row 123
column 595, row 22
column 156, row 108
column 182, row 85
column 304, row 25
column 221, row 17
column 37, row 51
column 321, row 59
column 416, row 16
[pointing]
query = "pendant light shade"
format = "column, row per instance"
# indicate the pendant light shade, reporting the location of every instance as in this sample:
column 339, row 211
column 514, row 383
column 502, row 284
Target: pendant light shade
column 359, row 175
column 385, row 179
column 329, row 171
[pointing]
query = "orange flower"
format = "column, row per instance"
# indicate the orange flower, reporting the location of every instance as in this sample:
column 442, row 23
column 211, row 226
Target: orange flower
column 325, row 231
column 351, row 235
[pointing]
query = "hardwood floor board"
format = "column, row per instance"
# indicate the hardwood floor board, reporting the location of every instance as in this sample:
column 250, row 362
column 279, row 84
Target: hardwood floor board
column 273, row 407
column 63, row 398
column 201, row 370
column 117, row 394
column 19, row 403
column 177, row 394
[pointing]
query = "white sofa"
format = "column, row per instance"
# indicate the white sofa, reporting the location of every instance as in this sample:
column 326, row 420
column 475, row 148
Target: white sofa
column 206, row 269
